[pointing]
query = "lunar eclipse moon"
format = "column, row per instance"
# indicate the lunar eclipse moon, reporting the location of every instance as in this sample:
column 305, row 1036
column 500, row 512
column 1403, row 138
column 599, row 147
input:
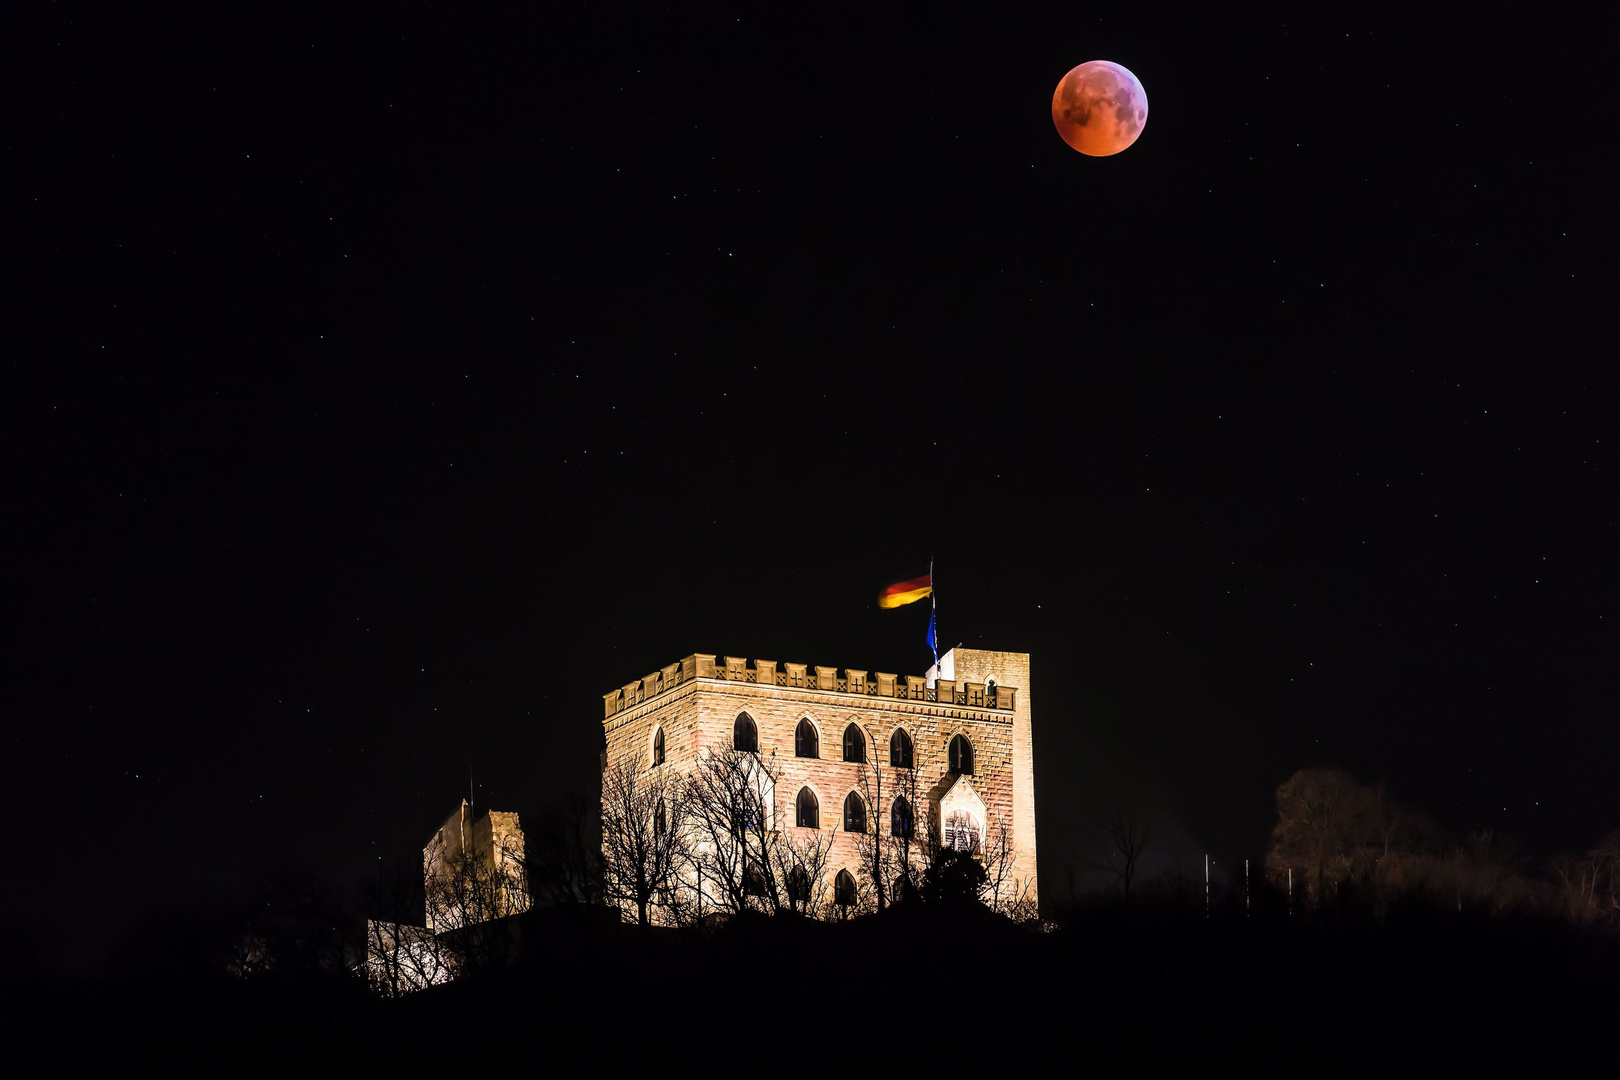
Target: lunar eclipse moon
column 1099, row 108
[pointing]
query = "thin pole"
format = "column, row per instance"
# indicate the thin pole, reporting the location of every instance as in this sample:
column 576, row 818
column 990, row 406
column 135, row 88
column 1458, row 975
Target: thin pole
column 1290, row 892
column 1245, row 888
column 1206, row 884
column 933, row 616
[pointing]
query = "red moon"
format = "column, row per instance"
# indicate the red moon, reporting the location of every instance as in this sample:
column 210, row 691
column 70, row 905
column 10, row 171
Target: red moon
column 1099, row 108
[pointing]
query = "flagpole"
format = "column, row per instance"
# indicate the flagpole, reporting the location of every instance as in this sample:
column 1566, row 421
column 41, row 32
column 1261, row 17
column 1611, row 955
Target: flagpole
column 933, row 617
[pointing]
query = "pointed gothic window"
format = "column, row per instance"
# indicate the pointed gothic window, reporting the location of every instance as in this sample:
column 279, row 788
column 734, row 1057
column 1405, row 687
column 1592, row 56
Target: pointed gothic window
column 854, row 814
column 900, row 817
column 658, row 746
column 805, row 741
column 798, row 883
column 660, row 821
column 744, row 735
column 844, row 889
column 900, row 749
column 809, row 811
column 854, row 744
column 961, row 755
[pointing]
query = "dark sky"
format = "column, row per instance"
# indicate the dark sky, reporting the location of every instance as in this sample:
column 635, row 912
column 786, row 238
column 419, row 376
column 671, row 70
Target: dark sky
column 381, row 389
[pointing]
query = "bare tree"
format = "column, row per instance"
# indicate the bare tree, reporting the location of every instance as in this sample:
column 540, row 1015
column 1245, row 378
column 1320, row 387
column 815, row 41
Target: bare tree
column 644, row 838
column 1341, row 832
column 1122, row 824
column 469, row 892
column 724, row 803
column 888, row 857
column 564, row 858
column 944, row 870
column 401, row 956
column 905, row 854
column 740, row 857
column 1588, row 886
column 800, row 863
column 1003, row 891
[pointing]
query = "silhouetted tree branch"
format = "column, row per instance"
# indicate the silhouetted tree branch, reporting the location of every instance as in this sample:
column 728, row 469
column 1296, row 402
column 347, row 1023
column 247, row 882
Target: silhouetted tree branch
column 1122, row 824
column 644, row 838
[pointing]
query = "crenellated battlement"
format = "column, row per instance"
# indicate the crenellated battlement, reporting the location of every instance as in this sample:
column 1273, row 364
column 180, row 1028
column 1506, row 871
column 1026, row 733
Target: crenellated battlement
column 878, row 684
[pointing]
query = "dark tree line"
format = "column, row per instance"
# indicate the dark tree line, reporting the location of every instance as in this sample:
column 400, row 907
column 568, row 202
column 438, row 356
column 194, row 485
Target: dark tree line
column 681, row 848
column 1342, row 842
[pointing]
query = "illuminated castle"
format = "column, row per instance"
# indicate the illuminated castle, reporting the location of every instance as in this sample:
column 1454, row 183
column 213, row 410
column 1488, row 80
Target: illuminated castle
column 960, row 744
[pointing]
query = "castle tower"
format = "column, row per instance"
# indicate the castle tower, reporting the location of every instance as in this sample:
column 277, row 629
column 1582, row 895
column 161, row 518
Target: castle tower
column 471, row 869
column 994, row 669
column 965, row 743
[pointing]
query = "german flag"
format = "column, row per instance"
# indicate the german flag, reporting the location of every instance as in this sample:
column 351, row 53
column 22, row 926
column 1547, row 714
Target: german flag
column 906, row 592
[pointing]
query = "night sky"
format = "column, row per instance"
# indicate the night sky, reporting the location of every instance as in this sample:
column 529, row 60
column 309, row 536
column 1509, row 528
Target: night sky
column 382, row 388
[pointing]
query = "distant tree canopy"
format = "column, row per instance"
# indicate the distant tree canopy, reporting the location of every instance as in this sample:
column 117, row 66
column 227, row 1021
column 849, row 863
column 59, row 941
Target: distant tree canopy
column 1334, row 831
column 1588, row 885
column 1348, row 842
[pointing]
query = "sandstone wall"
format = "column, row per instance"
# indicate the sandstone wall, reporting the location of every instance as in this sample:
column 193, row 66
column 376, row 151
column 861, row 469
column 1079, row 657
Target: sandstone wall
column 1011, row 669
column 697, row 712
column 777, row 712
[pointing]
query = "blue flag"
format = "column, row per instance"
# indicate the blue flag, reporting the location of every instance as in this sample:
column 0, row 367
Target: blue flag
column 933, row 643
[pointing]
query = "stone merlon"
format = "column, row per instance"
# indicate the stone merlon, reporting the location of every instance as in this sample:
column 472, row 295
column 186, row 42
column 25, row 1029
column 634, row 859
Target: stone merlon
column 879, row 684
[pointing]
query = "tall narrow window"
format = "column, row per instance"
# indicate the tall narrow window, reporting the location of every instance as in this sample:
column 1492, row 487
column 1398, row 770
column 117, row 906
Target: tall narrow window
column 900, row 749
column 660, row 821
column 900, row 817
column 844, row 889
column 854, row 814
column 658, row 746
column 744, row 735
column 805, row 741
column 962, row 832
column 961, row 755
column 798, row 885
column 854, row 744
column 809, row 811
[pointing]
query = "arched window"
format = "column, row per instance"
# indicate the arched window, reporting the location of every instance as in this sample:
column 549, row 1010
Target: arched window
column 805, row 741
column 854, row 814
column 900, row 749
column 961, row 755
column 798, row 884
column 962, row 832
column 809, row 811
column 744, row 735
column 900, row 817
column 844, row 889
column 658, row 746
column 660, row 821
column 753, row 881
column 854, row 744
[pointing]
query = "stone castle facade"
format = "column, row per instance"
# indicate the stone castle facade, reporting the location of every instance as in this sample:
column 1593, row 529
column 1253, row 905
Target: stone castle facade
column 965, row 737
